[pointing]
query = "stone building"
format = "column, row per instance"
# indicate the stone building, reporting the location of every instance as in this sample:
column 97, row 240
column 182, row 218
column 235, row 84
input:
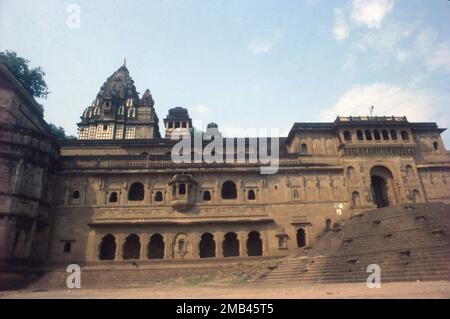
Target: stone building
column 118, row 195
column 122, row 197
column 28, row 162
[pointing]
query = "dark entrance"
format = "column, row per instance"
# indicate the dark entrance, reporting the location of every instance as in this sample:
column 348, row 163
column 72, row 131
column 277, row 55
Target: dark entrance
column 230, row 245
column 132, row 247
column 301, row 239
column 108, row 248
column 207, row 246
column 156, row 247
column 254, row 244
column 379, row 190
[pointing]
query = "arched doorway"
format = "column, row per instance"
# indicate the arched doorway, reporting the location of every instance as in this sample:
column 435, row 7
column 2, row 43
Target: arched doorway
column 107, row 248
column 382, row 186
column 230, row 245
column 301, row 238
column 254, row 244
column 207, row 246
column 156, row 247
column 132, row 247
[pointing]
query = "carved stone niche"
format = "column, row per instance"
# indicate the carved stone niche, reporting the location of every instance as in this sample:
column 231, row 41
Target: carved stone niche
column 184, row 189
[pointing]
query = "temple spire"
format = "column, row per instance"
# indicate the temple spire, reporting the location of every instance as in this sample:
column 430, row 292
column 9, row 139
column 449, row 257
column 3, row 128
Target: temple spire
column 125, row 62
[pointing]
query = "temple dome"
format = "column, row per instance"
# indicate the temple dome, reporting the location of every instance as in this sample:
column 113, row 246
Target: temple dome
column 118, row 88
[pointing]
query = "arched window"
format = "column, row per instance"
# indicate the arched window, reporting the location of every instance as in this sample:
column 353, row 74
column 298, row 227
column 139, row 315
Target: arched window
column 385, row 135
column 405, row 136
column 301, row 238
column 230, row 245
column 376, row 135
column 76, row 195
column 132, row 247
column 304, row 148
column 206, row 196
column 156, row 247
column 207, row 246
column 113, row 197
column 121, row 109
column 229, row 190
column 251, row 195
column 368, row 135
column 254, row 244
column 182, row 189
column 328, row 224
column 136, row 192
column 359, row 135
column 158, row 196
column 394, row 135
column 107, row 248
column 132, row 112
column 347, row 136
column 67, row 247
column 436, row 146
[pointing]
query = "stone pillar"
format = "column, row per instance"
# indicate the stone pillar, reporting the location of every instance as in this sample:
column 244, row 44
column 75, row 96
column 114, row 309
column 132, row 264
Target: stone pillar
column 168, row 243
column 144, row 239
column 265, row 243
column 92, row 247
column 242, row 236
column 195, row 240
column 119, row 245
column 218, row 238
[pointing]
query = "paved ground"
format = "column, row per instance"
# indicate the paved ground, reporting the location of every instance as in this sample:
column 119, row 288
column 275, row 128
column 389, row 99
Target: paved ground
column 438, row 289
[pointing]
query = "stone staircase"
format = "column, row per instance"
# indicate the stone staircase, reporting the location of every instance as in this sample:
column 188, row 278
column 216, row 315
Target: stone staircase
column 146, row 273
column 409, row 243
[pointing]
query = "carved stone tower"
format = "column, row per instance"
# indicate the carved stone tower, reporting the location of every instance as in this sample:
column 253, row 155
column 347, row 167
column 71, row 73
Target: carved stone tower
column 118, row 113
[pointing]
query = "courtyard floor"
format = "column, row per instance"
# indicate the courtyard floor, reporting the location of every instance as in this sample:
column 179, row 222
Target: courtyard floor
column 436, row 289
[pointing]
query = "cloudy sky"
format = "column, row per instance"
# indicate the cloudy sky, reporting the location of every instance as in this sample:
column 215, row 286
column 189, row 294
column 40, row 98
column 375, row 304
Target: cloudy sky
column 259, row 64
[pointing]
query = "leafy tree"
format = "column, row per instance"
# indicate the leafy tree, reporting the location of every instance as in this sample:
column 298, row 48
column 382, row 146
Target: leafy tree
column 31, row 79
column 58, row 132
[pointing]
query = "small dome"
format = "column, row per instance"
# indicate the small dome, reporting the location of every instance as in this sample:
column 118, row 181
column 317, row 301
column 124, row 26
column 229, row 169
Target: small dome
column 212, row 125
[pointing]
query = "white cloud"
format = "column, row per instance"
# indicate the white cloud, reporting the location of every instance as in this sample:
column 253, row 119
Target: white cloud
column 201, row 109
column 416, row 104
column 402, row 55
column 259, row 47
column 265, row 45
column 386, row 39
column 425, row 40
column 439, row 58
column 371, row 12
column 341, row 28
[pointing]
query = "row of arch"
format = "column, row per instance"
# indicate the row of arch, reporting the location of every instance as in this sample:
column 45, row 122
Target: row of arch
column 136, row 192
column 131, row 248
column 377, row 135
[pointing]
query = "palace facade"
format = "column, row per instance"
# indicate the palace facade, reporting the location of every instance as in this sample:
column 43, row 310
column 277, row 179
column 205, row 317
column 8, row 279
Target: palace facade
column 115, row 194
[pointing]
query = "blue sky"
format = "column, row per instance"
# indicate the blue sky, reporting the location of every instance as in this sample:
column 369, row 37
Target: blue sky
column 260, row 64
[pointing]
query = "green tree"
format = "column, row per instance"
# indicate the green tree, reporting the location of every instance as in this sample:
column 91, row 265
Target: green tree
column 32, row 79
column 58, row 132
